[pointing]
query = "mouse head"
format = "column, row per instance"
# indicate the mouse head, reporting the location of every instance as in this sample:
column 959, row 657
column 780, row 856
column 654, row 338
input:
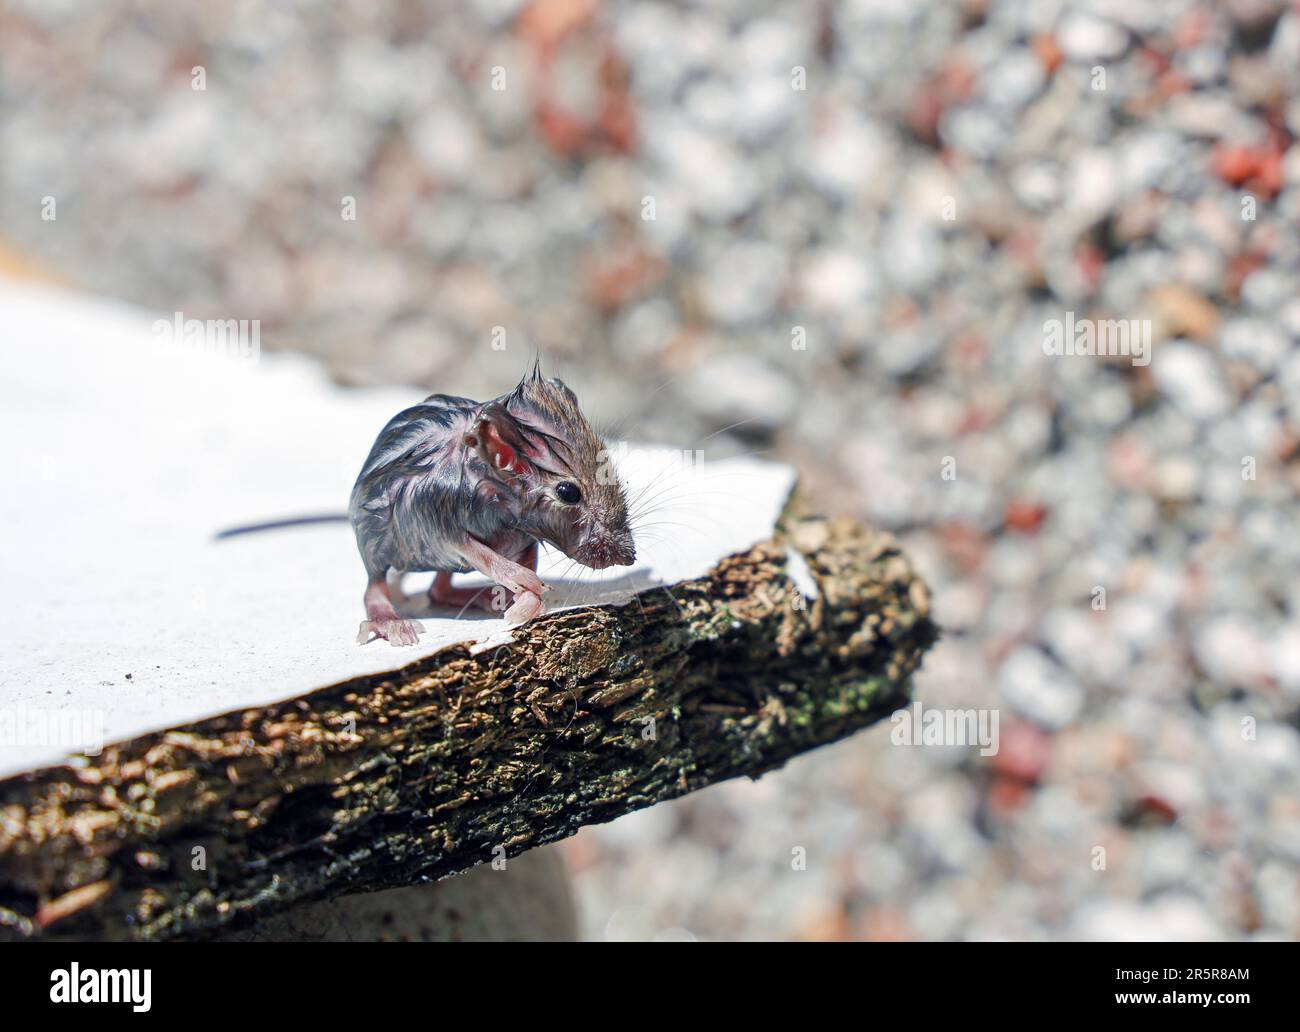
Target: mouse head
column 536, row 443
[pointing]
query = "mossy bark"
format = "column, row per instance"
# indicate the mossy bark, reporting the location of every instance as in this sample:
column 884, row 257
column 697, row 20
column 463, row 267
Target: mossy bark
column 465, row 756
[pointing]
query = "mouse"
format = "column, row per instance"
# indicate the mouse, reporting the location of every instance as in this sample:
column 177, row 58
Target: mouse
column 453, row 485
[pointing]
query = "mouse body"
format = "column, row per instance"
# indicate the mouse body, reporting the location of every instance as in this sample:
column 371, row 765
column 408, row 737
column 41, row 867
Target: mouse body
column 453, row 485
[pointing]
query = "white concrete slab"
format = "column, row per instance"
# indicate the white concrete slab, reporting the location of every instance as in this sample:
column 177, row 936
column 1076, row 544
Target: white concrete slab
column 122, row 455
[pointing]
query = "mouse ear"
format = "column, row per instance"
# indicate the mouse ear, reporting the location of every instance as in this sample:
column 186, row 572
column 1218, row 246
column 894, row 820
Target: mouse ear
column 496, row 437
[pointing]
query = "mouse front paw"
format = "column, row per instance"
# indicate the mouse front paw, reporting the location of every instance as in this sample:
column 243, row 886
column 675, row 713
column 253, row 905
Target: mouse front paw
column 395, row 632
column 527, row 582
column 526, row 606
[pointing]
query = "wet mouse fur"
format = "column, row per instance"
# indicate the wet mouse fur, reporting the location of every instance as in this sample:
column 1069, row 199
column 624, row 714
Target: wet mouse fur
column 453, row 485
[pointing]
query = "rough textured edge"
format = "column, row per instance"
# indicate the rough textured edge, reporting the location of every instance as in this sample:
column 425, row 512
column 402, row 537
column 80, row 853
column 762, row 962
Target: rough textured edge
column 400, row 778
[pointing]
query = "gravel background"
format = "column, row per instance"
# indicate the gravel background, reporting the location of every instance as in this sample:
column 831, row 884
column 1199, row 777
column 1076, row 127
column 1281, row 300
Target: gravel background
column 951, row 176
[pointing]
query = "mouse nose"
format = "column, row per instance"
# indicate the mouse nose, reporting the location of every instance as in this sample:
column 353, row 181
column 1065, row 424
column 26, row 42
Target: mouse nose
column 624, row 551
column 621, row 549
column 610, row 550
column 623, row 555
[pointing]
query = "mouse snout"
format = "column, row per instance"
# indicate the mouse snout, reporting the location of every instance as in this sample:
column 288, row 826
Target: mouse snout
column 602, row 549
column 623, row 552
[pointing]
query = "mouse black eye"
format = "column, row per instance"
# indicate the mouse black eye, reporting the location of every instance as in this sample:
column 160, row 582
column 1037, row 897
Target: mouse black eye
column 568, row 493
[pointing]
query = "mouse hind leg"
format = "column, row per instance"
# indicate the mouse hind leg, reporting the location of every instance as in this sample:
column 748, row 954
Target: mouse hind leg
column 444, row 593
column 382, row 620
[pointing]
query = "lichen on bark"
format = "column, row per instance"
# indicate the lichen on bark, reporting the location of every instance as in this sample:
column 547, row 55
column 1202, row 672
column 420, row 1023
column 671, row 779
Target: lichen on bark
column 469, row 755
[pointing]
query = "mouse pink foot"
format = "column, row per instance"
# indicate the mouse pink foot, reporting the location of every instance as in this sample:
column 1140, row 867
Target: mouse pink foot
column 395, row 632
column 526, row 606
column 382, row 620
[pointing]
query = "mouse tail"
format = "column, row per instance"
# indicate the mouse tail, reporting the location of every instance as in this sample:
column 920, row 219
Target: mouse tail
column 296, row 521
